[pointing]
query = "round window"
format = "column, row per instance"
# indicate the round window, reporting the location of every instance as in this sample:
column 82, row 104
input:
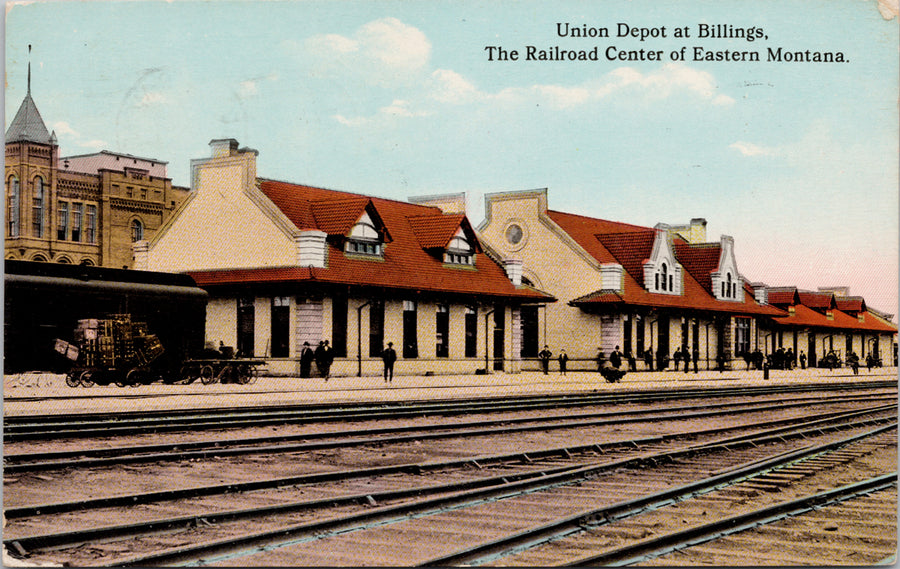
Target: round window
column 514, row 234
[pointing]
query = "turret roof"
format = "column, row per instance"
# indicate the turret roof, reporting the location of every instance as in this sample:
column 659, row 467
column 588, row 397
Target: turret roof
column 28, row 126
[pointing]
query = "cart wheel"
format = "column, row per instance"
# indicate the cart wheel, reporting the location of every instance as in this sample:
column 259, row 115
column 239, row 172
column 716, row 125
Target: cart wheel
column 252, row 374
column 242, row 374
column 186, row 374
column 133, row 378
column 226, row 374
column 85, row 379
column 72, row 379
column 207, row 375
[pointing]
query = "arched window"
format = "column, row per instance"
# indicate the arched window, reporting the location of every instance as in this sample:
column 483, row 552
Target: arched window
column 664, row 273
column 137, row 230
column 12, row 207
column 37, row 208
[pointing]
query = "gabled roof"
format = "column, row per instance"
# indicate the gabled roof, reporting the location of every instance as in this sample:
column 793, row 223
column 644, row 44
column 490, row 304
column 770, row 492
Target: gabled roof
column 404, row 264
column 336, row 217
column 806, row 317
column 701, row 260
column 631, row 245
column 630, row 249
column 584, row 230
column 435, row 233
column 28, row 126
column 817, row 300
column 783, row 296
column 852, row 304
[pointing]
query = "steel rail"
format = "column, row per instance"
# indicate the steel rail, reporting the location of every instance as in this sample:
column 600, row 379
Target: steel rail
column 589, row 519
column 32, row 462
column 103, row 423
column 27, row 544
column 110, row 430
column 417, row 468
column 17, row 458
column 228, row 549
column 652, row 548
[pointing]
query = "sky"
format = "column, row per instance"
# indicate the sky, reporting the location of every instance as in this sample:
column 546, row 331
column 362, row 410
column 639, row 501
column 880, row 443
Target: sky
column 797, row 160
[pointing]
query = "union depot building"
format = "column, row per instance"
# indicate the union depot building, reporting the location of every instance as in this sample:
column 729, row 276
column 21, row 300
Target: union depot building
column 287, row 264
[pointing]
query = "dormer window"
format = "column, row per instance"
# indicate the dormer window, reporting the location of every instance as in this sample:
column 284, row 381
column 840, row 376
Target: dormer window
column 364, row 239
column 459, row 250
column 662, row 272
column 727, row 283
column 729, row 289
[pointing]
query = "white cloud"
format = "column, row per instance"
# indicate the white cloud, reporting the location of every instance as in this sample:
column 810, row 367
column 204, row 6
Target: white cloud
column 451, row 87
column 355, row 121
column 385, row 48
column 401, row 108
column 63, row 128
column 750, row 149
column 666, row 81
column 151, row 98
column 395, row 43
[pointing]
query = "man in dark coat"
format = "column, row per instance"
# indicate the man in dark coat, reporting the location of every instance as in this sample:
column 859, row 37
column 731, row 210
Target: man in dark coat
column 615, row 358
column 389, row 356
column 324, row 358
column 306, row 360
column 545, row 355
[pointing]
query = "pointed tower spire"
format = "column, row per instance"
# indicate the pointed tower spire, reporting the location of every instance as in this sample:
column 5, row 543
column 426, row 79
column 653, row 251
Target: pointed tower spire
column 28, row 126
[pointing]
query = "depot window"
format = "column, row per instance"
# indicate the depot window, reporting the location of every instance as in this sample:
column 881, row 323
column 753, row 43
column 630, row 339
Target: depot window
column 364, row 238
column 459, row 251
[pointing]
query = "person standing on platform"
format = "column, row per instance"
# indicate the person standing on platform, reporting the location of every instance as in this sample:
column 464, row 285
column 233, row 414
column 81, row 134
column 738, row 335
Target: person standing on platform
column 696, row 357
column 563, row 360
column 545, row 355
column 306, row 360
column 389, row 356
column 615, row 358
column 324, row 359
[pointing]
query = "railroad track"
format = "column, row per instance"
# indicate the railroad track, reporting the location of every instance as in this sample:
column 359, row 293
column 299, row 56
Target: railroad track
column 17, row 463
column 532, row 476
column 89, row 425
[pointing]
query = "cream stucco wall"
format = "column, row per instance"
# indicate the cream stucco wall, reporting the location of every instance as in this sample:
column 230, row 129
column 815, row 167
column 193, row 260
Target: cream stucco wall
column 553, row 263
column 222, row 226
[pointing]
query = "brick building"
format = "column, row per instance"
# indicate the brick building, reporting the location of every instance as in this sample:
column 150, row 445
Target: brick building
column 84, row 209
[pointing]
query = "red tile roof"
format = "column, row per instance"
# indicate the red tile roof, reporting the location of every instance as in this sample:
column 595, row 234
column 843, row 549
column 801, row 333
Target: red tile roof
column 851, row 304
column 336, row 217
column 783, row 296
column 431, row 232
column 630, row 250
column 630, row 245
column 701, row 260
column 404, row 263
column 820, row 300
column 806, row 317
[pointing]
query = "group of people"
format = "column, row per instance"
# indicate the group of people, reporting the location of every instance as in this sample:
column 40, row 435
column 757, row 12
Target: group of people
column 323, row 355
column 610, row 370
